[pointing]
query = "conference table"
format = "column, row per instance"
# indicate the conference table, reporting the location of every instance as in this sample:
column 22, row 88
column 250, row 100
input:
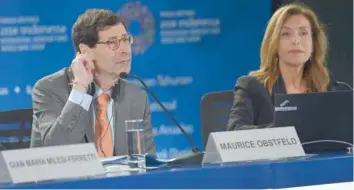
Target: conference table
column 316, row 169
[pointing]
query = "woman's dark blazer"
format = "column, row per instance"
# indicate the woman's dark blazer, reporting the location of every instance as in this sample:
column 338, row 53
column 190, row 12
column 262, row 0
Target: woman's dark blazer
column 253, row 104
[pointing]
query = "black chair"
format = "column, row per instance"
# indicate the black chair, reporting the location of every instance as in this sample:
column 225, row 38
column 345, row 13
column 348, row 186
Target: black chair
column 15, row 129
column 215, row 110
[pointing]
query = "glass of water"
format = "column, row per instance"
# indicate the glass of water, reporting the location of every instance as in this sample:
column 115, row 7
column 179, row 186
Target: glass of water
column 136, row 143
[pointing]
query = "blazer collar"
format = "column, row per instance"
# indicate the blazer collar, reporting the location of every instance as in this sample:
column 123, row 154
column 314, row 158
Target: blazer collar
column 279, row 86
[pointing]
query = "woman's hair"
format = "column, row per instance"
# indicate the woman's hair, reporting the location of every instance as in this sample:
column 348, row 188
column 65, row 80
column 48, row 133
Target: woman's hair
column 315, row 73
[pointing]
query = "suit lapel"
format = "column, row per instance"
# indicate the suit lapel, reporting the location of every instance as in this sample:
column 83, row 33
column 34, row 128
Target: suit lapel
column 89, row 133
column 121, row 113
column 278, row 88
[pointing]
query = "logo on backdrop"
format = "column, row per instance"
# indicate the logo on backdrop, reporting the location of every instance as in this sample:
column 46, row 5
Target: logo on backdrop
column 140, row 22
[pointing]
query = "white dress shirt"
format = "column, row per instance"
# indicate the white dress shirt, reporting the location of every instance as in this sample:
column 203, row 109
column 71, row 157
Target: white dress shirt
column 85, row 100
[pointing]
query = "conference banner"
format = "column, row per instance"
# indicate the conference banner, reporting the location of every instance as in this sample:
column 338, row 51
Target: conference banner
column 182, row 49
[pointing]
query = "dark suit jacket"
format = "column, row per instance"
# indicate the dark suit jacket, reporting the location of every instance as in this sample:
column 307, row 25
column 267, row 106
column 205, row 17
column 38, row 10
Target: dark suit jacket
column 253, row 104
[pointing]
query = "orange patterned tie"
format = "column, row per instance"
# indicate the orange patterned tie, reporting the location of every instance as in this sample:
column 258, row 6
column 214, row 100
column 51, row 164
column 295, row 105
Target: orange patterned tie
column 103, row 130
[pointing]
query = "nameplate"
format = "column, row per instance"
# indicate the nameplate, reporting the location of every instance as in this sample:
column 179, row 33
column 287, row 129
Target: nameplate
column 54, row 162
column 256, row 144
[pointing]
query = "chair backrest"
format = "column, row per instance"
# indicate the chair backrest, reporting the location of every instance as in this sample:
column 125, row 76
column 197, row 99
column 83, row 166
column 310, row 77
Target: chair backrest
column 215, row 109
column 15, row 128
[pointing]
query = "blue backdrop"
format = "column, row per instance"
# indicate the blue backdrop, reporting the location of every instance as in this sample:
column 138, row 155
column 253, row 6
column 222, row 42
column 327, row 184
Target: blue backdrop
column 183, row 49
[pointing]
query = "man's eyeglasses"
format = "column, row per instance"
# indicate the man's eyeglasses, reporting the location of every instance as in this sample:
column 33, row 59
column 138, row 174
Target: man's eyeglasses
column 115, row 43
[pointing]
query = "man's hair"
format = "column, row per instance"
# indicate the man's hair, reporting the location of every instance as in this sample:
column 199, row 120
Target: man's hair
column 85, row 29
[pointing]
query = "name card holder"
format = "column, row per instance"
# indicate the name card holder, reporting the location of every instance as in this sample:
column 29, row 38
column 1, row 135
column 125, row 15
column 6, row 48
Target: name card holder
column 50, row 163
column 5, row 177
column 255, row 144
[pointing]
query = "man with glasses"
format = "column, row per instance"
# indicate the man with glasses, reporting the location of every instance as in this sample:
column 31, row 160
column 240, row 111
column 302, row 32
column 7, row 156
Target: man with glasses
column 88, row 102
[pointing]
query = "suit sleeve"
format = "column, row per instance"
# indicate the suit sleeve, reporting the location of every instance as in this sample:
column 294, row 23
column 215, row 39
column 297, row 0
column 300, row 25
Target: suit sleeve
column 242, row 113
column 149, row 135
column 57, row 123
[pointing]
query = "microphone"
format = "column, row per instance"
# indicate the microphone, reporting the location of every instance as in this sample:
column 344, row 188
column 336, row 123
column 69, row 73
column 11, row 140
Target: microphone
column 343, row 83
column 337, row 83
column 195, row 148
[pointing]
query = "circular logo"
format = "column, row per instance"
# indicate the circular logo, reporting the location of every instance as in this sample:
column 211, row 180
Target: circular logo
column 136, row 14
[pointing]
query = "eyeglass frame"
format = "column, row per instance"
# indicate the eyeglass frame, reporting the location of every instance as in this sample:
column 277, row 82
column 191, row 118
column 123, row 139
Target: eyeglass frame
column 114, row 42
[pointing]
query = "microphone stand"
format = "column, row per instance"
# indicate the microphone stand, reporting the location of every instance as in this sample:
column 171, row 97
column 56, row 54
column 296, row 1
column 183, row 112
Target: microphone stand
column 196, row 156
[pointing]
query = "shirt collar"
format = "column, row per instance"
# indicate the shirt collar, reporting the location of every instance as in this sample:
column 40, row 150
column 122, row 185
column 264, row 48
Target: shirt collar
column 99, row 91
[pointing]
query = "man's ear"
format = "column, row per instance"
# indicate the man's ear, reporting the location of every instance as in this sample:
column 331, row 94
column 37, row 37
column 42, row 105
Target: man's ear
column 84, row 48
